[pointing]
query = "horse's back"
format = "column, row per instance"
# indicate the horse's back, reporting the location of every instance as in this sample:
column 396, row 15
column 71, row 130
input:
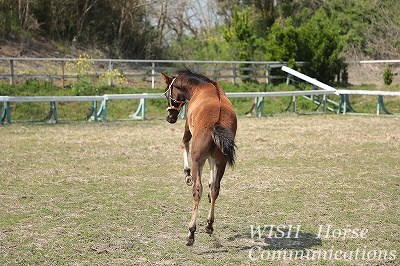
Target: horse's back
column 228, row 117
column 212, row 108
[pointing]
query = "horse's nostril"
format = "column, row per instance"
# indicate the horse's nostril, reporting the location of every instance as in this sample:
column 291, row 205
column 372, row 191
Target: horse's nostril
column 171, row 119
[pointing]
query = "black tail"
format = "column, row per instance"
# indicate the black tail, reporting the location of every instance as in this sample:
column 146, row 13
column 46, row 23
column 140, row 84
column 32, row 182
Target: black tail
column 225, row 140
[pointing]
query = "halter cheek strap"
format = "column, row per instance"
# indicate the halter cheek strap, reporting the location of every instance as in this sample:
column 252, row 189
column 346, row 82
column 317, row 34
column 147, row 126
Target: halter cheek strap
column 170, row 99
column 171, row 85
column 181, row 104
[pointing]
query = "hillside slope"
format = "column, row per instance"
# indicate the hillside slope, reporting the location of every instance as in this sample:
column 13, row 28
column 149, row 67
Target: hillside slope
column 42, row 47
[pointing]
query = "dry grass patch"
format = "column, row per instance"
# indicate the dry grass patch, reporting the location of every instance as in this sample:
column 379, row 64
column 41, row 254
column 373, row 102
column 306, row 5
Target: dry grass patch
column 114, row 193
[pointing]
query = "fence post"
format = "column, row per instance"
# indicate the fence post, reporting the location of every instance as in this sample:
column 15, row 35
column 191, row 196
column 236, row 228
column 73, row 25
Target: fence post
column 94, row 111
column 53, row 113
column 343, row 104
column 381, row 105
column 233, row 73
column 153, row 72
column 183, row 113
column 6, row 113
column 259, row 106
column 267, row 73
column 324, row 103
column 294, row 104
column 140, row 113
column 289, row 76
column 12, row 72
column 104, row 108
column 110, row 69
column 63, row 73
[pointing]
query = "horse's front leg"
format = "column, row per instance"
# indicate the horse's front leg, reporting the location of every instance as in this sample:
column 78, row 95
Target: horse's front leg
column 187, row 136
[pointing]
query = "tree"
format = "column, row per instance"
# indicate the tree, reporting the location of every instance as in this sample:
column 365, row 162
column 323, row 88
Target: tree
column 9, row 17
column 241, row 37
column 317, row 42
column 321, row 47
column 283, row 43
column 149, row 28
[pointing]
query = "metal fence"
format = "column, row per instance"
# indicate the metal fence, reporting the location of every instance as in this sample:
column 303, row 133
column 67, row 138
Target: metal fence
column 63, row 71
column 146, row 73
column 100, row 112
column 96, row 112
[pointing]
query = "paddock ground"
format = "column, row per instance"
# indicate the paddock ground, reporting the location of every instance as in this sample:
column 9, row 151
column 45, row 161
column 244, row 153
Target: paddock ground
column 114, row 193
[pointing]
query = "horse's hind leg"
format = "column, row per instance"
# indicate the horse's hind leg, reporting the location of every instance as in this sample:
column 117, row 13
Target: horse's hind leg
column 211, row 162
column 187, row 136
column 197, row 191
column 214, row 186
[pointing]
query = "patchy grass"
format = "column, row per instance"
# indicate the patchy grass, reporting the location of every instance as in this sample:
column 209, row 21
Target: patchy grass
column 114, row 193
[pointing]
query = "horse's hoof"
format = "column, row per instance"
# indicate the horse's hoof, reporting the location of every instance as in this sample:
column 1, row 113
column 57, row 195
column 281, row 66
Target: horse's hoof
column 189, row 180
column 190, row 241
column 209, row 229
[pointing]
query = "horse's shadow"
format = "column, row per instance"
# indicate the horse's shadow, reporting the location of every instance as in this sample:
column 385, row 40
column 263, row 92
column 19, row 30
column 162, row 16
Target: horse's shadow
column 303, row 240
column 282, row 240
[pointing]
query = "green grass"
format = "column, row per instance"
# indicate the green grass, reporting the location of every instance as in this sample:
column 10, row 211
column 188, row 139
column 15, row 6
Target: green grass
column 114, row 193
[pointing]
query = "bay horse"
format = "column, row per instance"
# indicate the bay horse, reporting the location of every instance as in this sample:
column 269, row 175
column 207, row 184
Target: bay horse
column 211, row 125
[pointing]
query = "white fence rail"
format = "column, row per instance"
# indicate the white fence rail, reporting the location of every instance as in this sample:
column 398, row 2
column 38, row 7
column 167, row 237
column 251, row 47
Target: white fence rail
column 344, row 103
column 140, row 113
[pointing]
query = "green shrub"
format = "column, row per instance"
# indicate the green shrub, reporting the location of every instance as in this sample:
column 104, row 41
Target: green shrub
column 388, row 76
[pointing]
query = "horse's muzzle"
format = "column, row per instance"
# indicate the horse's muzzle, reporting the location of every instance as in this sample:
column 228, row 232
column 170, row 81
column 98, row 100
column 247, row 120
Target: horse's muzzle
column 171, row 119
column 172, row 116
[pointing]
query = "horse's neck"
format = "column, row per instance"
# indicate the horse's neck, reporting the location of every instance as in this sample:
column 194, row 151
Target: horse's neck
column 207, row 90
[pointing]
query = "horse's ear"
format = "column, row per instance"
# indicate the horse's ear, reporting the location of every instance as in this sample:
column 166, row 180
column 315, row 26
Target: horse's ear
column 166, row 78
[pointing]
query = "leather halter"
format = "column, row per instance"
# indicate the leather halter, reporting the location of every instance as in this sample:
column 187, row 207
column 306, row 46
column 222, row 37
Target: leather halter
column 170, row 99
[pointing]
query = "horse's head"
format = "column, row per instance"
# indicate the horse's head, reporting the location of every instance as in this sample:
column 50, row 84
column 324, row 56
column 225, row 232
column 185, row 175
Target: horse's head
column 176, row 98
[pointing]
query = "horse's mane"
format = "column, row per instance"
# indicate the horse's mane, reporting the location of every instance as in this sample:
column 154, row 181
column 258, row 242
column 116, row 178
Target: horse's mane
column 189, row 78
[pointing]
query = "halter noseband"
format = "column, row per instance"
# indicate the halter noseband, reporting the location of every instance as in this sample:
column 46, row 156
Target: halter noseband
column 170, row 99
